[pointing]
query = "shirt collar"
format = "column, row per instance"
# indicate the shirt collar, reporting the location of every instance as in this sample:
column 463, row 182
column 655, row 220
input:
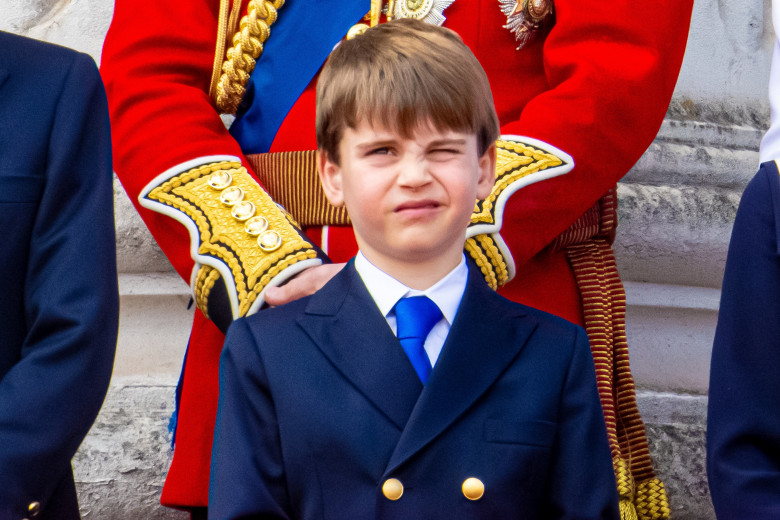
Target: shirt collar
column 386, row 290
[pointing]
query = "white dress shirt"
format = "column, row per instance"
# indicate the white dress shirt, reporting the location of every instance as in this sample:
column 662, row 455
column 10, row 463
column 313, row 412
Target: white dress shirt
column 446, row 294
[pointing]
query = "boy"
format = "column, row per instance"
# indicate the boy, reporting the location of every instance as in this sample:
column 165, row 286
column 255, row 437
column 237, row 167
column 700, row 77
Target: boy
column 323, row 414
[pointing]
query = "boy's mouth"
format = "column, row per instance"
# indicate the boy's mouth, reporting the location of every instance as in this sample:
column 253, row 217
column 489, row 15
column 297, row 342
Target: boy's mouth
column 417, row 205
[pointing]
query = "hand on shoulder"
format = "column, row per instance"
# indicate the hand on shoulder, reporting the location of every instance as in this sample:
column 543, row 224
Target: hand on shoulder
column 306, row 283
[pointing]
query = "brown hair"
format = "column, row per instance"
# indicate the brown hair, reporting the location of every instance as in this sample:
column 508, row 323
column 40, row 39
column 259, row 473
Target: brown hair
column 399, row 74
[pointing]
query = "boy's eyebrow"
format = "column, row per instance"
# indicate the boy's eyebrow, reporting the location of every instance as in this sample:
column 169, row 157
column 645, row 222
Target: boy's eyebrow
column 448, row 141
column 376, row 143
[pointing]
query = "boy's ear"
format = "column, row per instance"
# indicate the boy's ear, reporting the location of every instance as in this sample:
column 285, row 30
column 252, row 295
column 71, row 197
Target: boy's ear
column 487, row 172
column 330, row 176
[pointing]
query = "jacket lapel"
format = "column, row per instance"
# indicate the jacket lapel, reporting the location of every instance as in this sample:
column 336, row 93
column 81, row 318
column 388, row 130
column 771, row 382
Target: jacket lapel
column 346, row 325
column 482, row 342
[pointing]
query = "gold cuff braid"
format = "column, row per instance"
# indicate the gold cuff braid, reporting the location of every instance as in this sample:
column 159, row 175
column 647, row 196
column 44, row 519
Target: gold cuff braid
column 239, row 232
column 519, row 162
column 488, row 257
column 248, row 42
column 514, row 161
column 205, row 280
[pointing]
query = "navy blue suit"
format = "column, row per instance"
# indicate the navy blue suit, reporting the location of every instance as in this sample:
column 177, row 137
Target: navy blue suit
column 743, row 425
column 319, row 406
column 58, row 286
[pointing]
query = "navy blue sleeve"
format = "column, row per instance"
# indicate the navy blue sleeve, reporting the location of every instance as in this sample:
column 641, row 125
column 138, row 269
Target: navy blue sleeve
column 247, row 470
column 54, row 384
column 581, row 474
column 743, row 426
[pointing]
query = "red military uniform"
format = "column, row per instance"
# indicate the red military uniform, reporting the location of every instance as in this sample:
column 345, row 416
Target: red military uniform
column 596, row 86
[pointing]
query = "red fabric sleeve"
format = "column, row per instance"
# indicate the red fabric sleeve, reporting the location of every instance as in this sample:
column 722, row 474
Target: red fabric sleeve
column 156, row 65
column 597, row 87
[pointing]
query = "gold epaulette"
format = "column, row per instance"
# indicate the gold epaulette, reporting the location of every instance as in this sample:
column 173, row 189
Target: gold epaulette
column 238, row 233
column 520, row 161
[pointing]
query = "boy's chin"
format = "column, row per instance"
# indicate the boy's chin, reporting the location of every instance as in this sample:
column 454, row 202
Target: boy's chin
column 424, row 254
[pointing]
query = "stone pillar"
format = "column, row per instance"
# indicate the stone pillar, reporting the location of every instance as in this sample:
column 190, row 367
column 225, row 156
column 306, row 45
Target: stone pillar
column 677, row 207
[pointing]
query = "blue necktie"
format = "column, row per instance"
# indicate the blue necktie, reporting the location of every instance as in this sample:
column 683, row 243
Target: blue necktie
column 415, row 317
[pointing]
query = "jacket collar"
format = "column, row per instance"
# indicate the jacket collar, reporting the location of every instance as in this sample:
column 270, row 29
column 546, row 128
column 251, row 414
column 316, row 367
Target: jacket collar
column 347, row 327
column 345, row 324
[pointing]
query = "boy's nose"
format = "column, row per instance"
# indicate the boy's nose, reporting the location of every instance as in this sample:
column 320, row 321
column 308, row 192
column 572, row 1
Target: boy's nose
column 413, row 173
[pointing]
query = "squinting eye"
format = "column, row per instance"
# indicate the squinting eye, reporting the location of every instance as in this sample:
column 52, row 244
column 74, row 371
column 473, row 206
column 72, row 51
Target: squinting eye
column 380, row 151
column 444, row 152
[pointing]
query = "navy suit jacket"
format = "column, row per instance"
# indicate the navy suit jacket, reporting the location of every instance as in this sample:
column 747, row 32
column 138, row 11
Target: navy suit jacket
column 58, row 286
column 743, row 423
column 319, row 406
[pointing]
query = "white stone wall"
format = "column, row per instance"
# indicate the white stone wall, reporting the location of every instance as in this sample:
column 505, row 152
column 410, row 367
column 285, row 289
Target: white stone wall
column 677, row 206
column 80, row 24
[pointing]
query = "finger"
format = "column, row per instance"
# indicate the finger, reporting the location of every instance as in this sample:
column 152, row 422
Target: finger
column 306, row 283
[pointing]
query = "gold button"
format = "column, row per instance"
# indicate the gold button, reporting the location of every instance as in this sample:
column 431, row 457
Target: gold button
column 34, row 509
column 473, row 488
column 356, row 30
column 269, row 241
column 392, row 489
column 231, row 196
column 220, row 180
column 242, row 211
column 256, row 225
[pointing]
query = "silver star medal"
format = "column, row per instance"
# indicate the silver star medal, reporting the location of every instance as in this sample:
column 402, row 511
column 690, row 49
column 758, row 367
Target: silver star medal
column 430, row 11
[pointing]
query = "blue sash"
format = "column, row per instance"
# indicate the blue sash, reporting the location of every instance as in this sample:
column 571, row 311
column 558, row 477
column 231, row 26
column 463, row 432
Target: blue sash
column 301, row 40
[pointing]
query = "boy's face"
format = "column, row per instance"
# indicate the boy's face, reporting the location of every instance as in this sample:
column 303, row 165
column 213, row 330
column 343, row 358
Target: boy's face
column 410, row 199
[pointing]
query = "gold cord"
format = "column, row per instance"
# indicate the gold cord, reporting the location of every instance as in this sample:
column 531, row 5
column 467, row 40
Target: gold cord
column 390, row 10
column 222, row 28
column 376, row 11
column 248, row 43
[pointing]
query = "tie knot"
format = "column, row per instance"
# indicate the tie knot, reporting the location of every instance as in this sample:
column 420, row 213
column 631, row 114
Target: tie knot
column 416, row 316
